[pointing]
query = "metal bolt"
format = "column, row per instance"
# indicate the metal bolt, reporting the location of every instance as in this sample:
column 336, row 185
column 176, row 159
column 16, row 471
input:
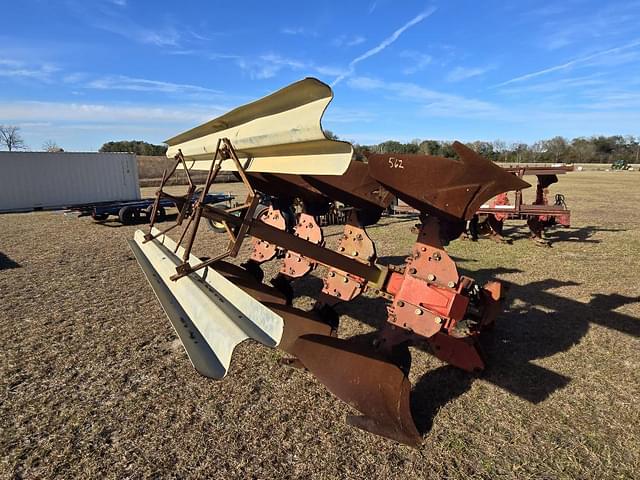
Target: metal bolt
column 400, row 303
column 431, row 277
column 424, row 249
column 345, row 280
column 451, row 284
column 418, row 311
column 438, row 320
column 354, row 253
column 412, row 270
column 299, row 259
column 332, row 274
column 437, row 257
column 341, row 249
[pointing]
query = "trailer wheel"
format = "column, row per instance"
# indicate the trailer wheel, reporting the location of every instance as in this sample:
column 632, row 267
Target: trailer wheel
column 99, row 217
column 161, row 214
column 216, row 226
column 128, row 215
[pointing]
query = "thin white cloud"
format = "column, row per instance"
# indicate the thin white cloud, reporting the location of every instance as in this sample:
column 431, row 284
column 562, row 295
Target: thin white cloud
column 462, row 73
column 372, row 7
column 119, row 3
column 419, row 61
column 384, row 44
column 268, row 65
column 271, row 64
column 348, row 40
column 122, row 82
column 17, row 69
column 303, row 31
column 613, row 20
column 571, row 63
column 563, row 84
column 346, row 115
column 116, row 21
column 429, row 101
column 328, row 71
column 60, row 112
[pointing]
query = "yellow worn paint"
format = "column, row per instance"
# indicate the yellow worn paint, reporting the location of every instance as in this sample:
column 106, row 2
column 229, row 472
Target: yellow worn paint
column 280, row 133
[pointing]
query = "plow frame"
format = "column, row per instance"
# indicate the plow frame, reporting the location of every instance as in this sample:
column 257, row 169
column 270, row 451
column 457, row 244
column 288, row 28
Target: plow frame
column 447, row 297
column 427, row 299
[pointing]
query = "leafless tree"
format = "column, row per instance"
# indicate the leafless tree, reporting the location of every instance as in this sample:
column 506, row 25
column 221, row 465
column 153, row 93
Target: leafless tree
column 51, row 146
column 10, row 138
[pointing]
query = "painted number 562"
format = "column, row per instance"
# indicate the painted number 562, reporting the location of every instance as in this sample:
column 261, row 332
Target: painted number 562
column 395, row 163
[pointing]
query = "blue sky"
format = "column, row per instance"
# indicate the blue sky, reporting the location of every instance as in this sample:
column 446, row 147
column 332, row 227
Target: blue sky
column 84, row 72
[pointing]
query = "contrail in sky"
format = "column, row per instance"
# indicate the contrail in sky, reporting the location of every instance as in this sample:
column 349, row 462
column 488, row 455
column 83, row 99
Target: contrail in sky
column 384, row 44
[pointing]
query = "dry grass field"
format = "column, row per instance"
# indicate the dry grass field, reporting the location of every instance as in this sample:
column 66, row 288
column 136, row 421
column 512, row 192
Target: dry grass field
column 95, row 384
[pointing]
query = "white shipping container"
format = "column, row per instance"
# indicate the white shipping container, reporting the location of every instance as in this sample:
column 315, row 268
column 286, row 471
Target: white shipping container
column 35, row 180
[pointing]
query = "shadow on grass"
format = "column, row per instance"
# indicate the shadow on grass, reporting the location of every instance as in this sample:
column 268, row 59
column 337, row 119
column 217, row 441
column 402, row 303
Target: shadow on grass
column 560, row 234
column 402, row 259
column 535, row 324
column 394, row 220
column 113, row 222
column 6, row 263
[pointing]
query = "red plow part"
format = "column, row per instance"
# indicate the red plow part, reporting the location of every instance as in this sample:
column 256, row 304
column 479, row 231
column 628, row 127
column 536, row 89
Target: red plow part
column 427, row 299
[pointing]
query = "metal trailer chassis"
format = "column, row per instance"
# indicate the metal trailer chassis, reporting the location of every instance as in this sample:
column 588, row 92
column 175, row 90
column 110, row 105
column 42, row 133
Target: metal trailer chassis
column 130, row 212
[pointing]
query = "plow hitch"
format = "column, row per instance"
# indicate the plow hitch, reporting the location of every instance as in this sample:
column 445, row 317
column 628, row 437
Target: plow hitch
column 278, row 150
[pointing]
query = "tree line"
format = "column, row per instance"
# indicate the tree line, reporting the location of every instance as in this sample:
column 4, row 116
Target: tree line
column 134, row 146
column 596, row 149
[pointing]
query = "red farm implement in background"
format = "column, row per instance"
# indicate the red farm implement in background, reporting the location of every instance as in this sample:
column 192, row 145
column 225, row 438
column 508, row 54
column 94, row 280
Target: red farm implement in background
column 539, row 215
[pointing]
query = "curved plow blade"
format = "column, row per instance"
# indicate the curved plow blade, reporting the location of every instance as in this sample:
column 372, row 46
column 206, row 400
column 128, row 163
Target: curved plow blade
column 296, row 324
column 210, row 314
column 369, row 383
column 280, row 133
column 448, row 187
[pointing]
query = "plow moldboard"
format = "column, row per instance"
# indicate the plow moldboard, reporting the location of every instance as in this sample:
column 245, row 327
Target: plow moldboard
column 209, row 313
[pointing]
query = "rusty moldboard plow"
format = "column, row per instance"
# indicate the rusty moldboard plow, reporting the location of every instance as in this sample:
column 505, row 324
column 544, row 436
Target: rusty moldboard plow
column 277, row 148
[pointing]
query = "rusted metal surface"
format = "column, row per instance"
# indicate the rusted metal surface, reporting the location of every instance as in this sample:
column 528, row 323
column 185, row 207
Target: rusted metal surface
column 355, row 243
column 355, row 188
column 265, row 251
column 183, row 203
column 446, row 187
column 427, row 298
column 296, row 265
column 298, row 323
column 371, row 384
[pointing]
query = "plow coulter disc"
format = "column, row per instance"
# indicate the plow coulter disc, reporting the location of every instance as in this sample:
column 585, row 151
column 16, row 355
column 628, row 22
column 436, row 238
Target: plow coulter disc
column 369, row 383
column 210, row 314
